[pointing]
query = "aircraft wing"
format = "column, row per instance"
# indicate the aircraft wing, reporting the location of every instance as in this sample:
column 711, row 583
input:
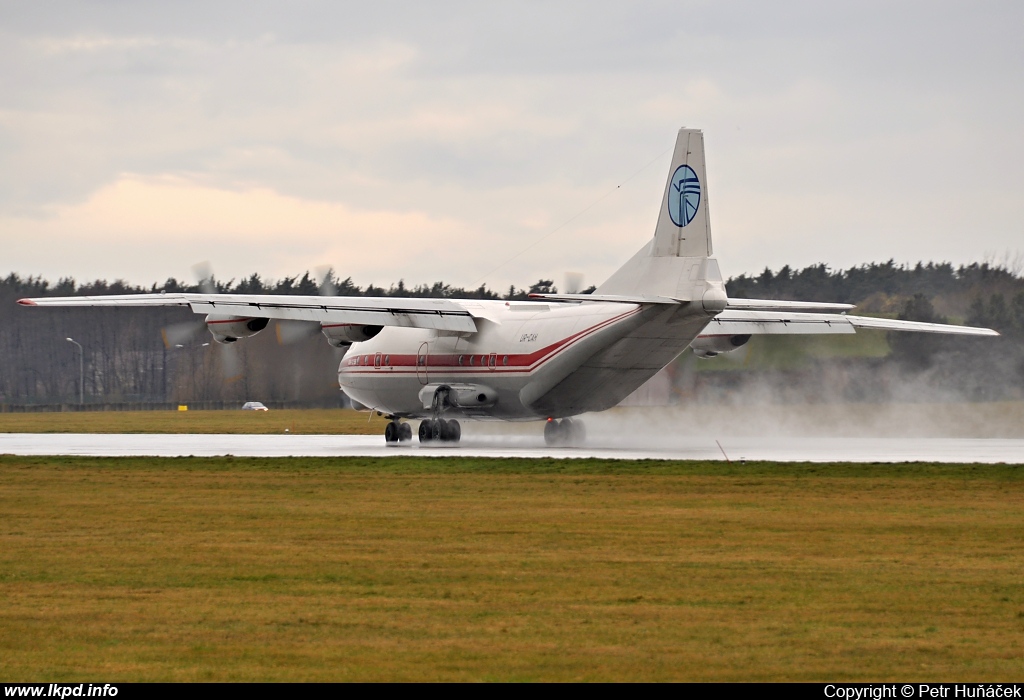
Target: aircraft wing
column 439, row 314
column 740, row 322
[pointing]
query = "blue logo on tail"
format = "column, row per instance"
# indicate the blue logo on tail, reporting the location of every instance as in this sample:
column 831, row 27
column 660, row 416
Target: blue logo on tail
column 683, row 195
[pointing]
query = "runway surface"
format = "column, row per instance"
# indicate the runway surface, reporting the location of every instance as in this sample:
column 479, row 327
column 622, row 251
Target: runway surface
column 773, row 449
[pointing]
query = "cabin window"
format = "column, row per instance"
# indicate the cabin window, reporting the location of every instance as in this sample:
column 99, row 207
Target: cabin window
column 461, row 357
column 504, row 360
column 387, row 359
column 471, row 360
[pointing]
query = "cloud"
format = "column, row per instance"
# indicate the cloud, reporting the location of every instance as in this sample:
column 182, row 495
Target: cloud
column 456, row 135
column 136, row 214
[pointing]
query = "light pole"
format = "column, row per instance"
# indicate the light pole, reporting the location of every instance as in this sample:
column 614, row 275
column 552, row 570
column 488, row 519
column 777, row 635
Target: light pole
column 81, row 371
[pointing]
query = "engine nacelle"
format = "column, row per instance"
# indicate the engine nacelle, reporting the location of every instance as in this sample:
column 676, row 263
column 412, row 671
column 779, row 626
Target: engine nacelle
column 228, row 329
column 463, row 396
column 341, row 335
column 712, row 345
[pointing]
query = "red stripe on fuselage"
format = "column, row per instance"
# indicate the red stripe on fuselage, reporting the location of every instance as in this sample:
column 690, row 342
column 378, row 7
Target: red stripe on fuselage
column 517, row 363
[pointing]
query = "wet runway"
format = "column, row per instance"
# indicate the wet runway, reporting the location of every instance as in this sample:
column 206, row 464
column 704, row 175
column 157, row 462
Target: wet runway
column 775, row 449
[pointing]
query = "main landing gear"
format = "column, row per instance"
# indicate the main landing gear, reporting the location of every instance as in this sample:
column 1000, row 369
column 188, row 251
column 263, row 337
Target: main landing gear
column 436, row 428
column 440, row 430
column 567, row 432
column 397, row 432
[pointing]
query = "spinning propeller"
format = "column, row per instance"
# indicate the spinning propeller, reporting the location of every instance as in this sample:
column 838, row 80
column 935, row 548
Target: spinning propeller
column 573, row 282
column 289, row 332
column 181, row 335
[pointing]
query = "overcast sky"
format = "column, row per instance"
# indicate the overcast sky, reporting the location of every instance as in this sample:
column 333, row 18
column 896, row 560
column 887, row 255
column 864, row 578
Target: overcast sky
column 500, row 142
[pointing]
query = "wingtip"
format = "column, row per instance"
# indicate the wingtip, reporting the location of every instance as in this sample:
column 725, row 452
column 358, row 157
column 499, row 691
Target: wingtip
column 27, row 302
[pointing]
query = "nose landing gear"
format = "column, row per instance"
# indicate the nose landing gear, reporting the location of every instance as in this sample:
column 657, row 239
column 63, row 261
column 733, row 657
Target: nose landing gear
column 566, row 432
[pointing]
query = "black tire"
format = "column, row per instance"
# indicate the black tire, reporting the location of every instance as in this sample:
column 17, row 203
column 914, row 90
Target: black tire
column 454, row 431
column 552, row 433
column 405, row 432
column 565, row 429
column 437, row 430
column 426, row 430
column 391, row 432
column 579, row 433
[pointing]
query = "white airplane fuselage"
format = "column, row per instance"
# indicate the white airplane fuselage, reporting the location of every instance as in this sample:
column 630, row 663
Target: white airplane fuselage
column 527, row 360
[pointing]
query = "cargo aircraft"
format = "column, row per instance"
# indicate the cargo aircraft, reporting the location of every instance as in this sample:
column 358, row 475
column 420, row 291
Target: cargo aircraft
column 550, row 359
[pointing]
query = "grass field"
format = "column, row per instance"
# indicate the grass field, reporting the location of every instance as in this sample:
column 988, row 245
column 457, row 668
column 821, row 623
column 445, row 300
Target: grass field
column 464, row 569
column 297, row 421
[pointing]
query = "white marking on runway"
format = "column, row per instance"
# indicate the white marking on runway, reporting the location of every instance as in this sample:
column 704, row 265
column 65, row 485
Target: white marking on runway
column 782, row 449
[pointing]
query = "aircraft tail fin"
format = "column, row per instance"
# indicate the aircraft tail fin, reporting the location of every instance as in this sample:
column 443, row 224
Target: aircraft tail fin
column 675, row 263
column 684, row 229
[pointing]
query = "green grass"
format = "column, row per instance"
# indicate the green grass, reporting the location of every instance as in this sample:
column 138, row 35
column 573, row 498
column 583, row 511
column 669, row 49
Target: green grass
column 295, row 421
column 474, row 569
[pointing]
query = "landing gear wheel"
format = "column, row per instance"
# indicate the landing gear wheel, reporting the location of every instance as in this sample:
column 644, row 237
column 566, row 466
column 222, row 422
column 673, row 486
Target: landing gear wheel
column 564, row 432
column 404, row 432
column 552, row 433
column 392, row 432
column 573, row 432
column 439, row 430
column 579, row 433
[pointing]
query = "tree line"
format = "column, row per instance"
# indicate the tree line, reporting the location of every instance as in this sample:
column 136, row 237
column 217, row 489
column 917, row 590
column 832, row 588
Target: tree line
column 125, row 358
column 304, row 284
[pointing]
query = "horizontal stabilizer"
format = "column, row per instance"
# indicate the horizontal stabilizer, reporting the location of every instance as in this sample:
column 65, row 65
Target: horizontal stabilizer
column 738, row 322
column 769, row 323
column 772, row 304
column 741, row 304
column 607, row 298
column 887, row 324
